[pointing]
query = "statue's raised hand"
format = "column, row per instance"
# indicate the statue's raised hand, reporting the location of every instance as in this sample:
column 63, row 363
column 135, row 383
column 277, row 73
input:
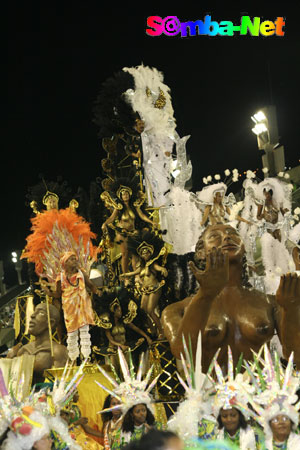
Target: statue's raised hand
column 288, row 292
column 216, row 274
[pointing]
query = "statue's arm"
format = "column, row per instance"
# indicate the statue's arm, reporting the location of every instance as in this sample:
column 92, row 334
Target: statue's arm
column 16, row 350
column 190, row 316
column 60, row 355
column 205, row 215
column 288, row 316
column 186, row 318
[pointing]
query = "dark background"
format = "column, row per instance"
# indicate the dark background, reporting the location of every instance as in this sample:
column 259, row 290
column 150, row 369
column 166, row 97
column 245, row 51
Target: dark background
column 60, row 53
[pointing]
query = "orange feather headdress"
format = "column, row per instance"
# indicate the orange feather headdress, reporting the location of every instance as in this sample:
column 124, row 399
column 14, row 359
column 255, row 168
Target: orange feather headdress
column 54, row 233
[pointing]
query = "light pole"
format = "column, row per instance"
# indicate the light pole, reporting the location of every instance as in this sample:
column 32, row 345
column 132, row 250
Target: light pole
column 18, row 264
column 266, row 130
column 2, row 285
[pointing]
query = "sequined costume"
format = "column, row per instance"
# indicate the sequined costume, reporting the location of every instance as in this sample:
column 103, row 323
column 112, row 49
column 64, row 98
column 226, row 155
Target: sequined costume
column 111, row 430
column 76, row 302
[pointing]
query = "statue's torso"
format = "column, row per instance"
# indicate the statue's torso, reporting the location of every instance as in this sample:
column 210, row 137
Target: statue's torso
column 242, row 319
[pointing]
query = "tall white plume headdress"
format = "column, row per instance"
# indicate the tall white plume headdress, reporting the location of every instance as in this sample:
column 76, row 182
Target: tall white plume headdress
column 133, row 390
column 31, row 419
column 151, row 99
column 197, row 405
column 230, row 389
column 275, row 390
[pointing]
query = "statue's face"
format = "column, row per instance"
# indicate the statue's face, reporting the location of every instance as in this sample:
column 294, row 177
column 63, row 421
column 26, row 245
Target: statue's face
column 125, row 195
column 118, row 312
column 224, row 237
column 38, row 321
column 51, row 203
column 146, row 254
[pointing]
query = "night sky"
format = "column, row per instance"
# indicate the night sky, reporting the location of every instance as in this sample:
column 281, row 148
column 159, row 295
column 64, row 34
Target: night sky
column 60, row 53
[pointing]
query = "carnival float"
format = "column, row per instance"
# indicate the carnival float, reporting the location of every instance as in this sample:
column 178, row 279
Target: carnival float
column 152, row 305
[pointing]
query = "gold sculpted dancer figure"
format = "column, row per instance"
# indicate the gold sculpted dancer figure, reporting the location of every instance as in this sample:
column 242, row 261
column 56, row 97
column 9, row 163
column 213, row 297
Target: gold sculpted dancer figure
column 124, row 216
column 148, row 282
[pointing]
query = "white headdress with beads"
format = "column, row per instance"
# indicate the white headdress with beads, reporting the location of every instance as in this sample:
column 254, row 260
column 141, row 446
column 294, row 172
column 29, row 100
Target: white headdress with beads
column 230, row 390
column 133, row 390
column 275, row 390
column 31, row 419
column 196, row 405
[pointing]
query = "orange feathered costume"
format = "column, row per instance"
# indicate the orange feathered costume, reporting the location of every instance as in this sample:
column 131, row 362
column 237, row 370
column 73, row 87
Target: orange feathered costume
column 45, row 239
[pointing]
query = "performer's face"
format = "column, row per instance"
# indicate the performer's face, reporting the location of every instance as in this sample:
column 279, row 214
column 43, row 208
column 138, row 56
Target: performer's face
column 230, row 419
column 38, row 321
column 281, row 425
column 43, row 444
column 71, row 263
column 139, row 125
column 114, row 402
column 224, row 237
column 174, row 443
column 268, row 194
column 218, row 197
column 139, row 414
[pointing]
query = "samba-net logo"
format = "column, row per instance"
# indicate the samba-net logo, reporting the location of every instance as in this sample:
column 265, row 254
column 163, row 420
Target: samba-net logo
column 171, row 26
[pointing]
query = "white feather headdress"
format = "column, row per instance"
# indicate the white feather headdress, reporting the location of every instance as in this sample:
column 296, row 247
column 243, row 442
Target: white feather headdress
column 149, row 87
column 230, row 390
column 133, row 390
column 275, row 390
column 197, row 405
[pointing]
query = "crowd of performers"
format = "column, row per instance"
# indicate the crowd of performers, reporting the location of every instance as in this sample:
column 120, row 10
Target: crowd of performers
column 144, row 260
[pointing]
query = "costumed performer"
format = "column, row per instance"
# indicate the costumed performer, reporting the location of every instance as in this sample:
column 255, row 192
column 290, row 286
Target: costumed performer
column 217, row 209
column 61, row 249
column 230, row 407
column 135, row 401
column 111, row 420
column 80, row 427
column 71, row 287
column 196, row 407
column 214, row 410
column 226, row 309
column 275, row 402
column 274, row 207
column 35, row 422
